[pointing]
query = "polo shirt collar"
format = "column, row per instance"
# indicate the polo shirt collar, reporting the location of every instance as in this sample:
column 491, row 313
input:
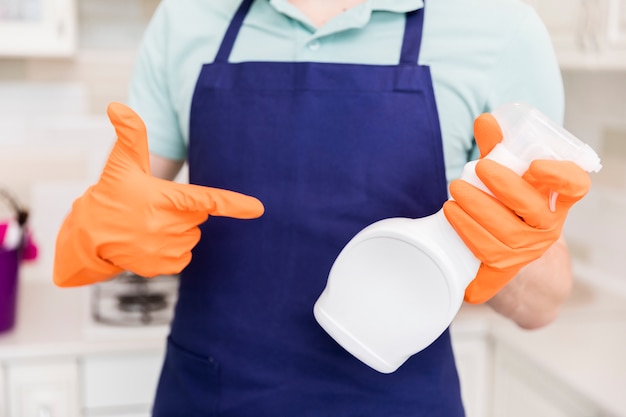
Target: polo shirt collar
column 355, row 17
column 398, row 6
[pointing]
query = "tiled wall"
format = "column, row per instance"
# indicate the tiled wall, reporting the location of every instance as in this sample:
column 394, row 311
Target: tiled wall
column 54, row 135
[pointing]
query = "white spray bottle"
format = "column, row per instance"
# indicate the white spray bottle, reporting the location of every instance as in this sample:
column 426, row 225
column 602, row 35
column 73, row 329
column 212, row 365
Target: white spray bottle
column 399, row 283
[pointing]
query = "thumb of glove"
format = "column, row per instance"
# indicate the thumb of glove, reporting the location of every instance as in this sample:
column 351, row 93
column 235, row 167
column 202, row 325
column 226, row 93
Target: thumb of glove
column 131, row 148
column 487, row 133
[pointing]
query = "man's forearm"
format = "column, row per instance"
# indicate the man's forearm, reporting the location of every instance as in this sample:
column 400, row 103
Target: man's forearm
column 534, row 297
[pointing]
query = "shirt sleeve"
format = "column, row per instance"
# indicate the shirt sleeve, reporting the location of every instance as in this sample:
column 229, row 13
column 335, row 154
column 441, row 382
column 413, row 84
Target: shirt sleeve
column 149, row 93
column 528, row 71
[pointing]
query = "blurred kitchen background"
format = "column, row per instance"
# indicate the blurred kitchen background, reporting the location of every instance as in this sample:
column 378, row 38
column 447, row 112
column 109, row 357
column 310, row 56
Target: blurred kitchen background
column 54, row 133
column 54, row 136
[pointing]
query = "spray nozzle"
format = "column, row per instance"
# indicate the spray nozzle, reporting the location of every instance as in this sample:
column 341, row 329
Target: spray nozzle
column 531, row 135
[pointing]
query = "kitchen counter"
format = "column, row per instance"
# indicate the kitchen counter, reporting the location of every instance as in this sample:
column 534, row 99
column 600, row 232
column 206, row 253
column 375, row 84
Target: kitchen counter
column 57, row 361
column 54, row 321
column 584, row 349
column 587, row 356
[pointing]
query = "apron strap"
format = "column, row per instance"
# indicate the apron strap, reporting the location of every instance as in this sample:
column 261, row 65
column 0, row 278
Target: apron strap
column 232, row 31
column 411, row 42
column 412, row 37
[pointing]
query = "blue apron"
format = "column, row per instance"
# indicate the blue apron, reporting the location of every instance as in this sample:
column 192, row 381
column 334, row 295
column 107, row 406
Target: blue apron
column 329, row 149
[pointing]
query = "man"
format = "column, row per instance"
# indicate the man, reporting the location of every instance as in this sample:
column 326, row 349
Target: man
column 334, row 114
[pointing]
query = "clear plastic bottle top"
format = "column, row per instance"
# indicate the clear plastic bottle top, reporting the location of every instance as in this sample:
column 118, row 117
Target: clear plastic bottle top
column 530, row 135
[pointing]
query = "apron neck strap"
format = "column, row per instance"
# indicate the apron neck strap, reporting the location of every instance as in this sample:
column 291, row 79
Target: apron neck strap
column 412, row 37
column 411, row 42
column 232, row 31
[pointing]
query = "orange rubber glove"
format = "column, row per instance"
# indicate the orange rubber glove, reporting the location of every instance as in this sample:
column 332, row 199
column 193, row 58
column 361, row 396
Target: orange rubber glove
column 519, row 224
column 132, row 221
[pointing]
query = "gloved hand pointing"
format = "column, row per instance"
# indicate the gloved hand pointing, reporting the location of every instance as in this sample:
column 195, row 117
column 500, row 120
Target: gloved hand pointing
column 132, row 221
column 523, row 220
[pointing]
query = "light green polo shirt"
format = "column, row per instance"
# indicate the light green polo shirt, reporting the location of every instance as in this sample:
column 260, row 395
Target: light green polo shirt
column 482, row 53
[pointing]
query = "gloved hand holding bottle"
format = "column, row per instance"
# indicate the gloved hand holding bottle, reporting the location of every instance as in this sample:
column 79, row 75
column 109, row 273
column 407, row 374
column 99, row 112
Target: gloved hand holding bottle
column 399, row 283
column 132, row 221
column 522, row 218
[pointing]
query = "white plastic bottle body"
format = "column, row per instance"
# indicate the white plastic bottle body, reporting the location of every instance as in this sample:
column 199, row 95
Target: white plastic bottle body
column 399, row 283
column 391, row 294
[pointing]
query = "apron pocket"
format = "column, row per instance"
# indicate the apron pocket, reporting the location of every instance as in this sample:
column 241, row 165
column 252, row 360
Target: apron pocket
column 188, row 385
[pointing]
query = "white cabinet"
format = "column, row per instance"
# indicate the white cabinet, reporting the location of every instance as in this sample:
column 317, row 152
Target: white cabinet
column 473, row 354
column 3, row 403
column 43, row 389
column 37, row 27
column 125, row 382
column 587, row 34
column 522, row 389
column 100, row 385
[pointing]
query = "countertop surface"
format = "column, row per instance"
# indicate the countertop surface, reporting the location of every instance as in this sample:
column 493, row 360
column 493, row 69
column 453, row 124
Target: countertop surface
column 585, row 347
column 587, row 356
column 54, row 321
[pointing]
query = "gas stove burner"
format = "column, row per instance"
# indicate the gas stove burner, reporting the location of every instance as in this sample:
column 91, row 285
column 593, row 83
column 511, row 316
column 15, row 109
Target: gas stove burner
column 131, row 300
column 142, row 302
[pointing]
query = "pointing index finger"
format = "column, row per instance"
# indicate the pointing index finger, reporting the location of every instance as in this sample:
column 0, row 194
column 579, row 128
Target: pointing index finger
column 214, row 201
